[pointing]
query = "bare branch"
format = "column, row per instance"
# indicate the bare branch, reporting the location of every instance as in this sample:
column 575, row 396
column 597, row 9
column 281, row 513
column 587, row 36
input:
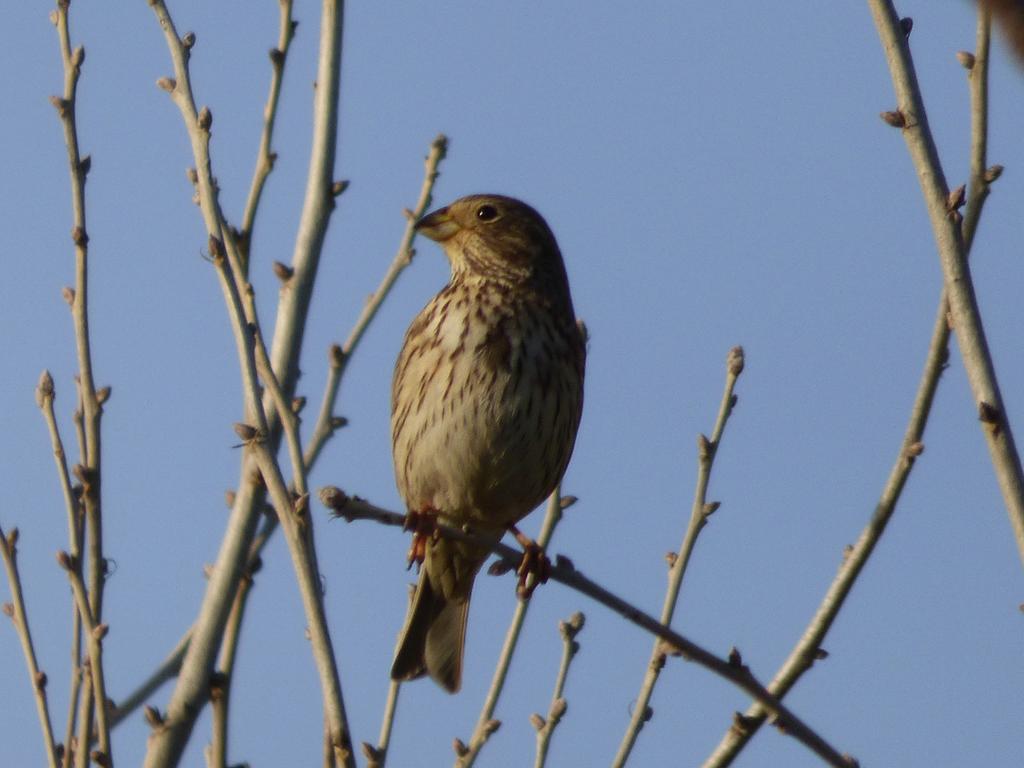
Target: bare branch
column 326, row 420
column 16, row 610
column 568, row 629
column 166, row 671
column 807, row 650
column 699, row 514
column 485, row 722
column 90, row 411
column 297, row 523
column 981, row 175
column 966, row 318
column 376, row 757
column 94, row 634
column 265, row 158
column 564, row 572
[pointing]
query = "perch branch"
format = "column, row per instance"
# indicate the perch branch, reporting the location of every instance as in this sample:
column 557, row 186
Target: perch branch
column 564, row 572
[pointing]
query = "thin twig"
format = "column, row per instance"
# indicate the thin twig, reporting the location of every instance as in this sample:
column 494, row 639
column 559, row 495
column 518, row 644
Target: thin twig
column 486, row 724
column 190, row 693
column 376, row 757
column 192, row 690
column 90, row 412
column 945, row 218
column 981, row 175
column 699, row 514
column 807, row 650
column 167, row 670
column 265, row 158
column 94, row 634
column 16, row 610
column 75, row 687
column 326, row 423
column 568, row 629
column 297, row 524
column 45, row 396
column 564, row 572
column 220, row 688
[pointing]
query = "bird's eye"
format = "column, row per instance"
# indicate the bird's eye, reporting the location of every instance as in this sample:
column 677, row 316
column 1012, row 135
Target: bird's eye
column 487, row 213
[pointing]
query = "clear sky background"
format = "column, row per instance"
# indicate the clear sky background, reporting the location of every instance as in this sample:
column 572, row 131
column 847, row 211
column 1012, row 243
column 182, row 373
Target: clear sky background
column 716, row 174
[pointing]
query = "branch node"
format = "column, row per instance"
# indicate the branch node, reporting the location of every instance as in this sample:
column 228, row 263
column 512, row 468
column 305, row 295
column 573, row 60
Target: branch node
column 334, row 499
column 704, row 448
column 65, row 561
column 44, row 389
column 895, row 118
column 734, row 362
column 153, row 716
column 371, row 753
column 205, row 120
column 742, row 724
column 61, row 105
column 989, row 415
column 569, row 628
column 955, row 199
column 246, row 432
column 914, row 450
column 283, row 271
column 561, row 561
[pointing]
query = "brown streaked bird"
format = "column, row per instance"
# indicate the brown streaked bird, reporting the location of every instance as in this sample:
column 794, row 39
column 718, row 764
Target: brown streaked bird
column 485, row 403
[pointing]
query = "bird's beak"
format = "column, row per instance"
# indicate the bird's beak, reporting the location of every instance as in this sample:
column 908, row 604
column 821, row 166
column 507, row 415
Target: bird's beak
column 438, row 226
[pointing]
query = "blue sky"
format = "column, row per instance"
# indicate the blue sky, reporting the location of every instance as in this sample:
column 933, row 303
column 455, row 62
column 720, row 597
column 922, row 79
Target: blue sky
column 716, row 174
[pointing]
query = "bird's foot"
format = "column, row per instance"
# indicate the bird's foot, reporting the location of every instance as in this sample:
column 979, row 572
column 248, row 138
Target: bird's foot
column 423, row 524
column 534, row 563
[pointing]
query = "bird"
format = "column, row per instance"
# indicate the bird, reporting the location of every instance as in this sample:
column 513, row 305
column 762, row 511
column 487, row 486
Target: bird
column 487, row 397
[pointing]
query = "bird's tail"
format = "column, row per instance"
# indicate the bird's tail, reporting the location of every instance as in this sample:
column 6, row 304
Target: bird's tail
column 434, row 636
